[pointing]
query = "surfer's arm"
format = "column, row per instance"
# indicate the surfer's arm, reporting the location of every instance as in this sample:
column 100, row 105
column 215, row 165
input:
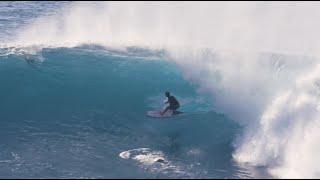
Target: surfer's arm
column 164, row 111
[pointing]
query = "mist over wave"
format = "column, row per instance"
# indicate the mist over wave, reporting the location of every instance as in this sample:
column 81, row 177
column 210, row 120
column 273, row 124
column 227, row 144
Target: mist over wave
column 258, row 60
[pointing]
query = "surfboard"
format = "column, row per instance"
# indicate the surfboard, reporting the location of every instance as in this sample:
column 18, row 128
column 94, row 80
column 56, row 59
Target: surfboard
column 156, row 114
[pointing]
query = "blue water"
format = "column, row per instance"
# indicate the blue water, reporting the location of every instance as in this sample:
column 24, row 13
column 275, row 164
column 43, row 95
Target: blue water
column 71, row 112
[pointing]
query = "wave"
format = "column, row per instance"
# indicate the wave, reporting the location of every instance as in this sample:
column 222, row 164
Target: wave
column 263, row 78
column 73, row 95
column 287, row 138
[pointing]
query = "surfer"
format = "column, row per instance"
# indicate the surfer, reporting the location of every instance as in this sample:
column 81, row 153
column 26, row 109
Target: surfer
column 173, row 104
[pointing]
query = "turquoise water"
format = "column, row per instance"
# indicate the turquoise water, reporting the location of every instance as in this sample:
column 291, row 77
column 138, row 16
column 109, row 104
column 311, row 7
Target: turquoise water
column 72, row 114
column 80, row 113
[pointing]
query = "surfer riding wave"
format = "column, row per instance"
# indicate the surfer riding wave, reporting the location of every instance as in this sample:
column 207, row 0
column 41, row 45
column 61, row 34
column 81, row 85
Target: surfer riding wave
column 173, row 104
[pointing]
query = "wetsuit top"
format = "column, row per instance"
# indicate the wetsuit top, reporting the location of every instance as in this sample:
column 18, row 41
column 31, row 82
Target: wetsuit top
column 173, row 101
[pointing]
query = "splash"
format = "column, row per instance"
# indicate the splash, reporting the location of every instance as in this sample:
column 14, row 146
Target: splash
column 250, row 26
column 288, row 137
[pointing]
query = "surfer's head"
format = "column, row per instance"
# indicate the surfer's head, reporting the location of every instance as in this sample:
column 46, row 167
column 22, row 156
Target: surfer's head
column 167, row 93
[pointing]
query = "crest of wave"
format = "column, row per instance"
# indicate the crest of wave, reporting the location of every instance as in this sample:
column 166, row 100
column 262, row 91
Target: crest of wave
column 241, row 26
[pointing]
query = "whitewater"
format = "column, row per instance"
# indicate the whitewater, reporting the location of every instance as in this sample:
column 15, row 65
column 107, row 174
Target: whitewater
column 78, row 77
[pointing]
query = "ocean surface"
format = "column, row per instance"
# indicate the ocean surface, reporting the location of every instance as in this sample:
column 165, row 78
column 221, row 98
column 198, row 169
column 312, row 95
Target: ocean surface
column 77, row 79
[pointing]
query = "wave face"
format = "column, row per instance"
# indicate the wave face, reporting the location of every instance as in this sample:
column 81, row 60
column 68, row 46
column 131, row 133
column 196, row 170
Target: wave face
column 72, row 112
column 94, row 69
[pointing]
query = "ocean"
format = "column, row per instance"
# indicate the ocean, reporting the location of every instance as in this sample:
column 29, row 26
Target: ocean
column 77, row 79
